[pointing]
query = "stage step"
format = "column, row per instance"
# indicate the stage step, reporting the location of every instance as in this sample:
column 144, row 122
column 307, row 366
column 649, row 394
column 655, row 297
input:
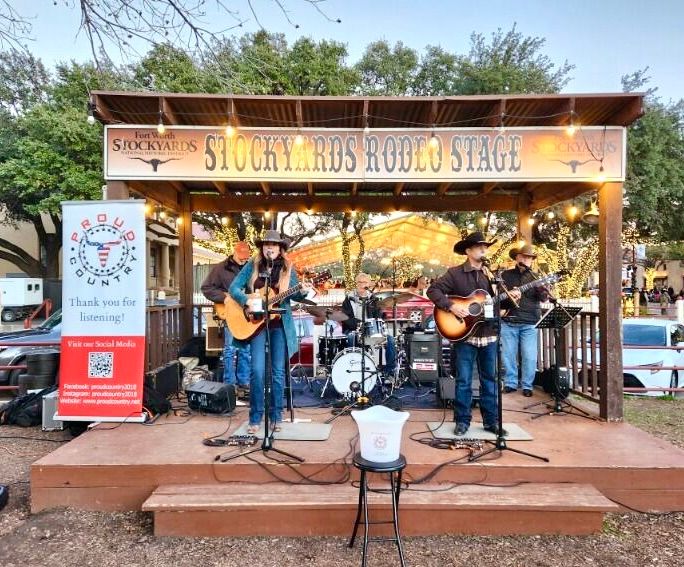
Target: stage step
column 238, row 509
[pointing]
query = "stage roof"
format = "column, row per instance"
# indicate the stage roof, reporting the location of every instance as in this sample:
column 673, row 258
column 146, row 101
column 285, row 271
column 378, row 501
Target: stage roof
column 488, row 111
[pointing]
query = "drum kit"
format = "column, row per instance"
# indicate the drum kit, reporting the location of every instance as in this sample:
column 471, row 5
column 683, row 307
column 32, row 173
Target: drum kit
column 341, row 357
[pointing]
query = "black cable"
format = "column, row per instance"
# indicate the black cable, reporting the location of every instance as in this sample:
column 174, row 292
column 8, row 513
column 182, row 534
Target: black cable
column 34, row 438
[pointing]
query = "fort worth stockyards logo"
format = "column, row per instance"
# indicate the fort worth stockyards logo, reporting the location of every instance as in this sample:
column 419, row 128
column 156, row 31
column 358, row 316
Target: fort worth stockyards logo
column 153, row 148
column 103, row 250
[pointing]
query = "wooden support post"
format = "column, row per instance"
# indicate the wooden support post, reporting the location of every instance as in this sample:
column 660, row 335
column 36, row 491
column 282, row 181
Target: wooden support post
column 610, row 288
column 185, row 264
column 116, row 190
column 524, row 228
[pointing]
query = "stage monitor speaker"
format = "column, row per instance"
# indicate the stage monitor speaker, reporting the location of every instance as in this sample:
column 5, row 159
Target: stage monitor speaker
column 423, row 356
column 211, row 397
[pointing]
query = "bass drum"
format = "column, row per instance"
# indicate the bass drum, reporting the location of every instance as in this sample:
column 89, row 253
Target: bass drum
column 346, row 369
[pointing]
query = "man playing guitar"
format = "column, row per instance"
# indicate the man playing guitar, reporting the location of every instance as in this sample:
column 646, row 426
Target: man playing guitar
column 481, row 344
column 518, row 331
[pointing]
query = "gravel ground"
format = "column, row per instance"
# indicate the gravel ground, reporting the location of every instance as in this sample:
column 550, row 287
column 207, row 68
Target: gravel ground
column 67, row 537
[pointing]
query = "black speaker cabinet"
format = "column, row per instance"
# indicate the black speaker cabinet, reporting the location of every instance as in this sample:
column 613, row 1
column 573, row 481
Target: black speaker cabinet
column 211, row 397
column 423, row 356
column 447, row 385
column 165, row 379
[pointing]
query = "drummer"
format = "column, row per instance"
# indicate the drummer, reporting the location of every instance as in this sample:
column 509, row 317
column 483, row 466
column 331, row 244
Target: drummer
column 352, row 306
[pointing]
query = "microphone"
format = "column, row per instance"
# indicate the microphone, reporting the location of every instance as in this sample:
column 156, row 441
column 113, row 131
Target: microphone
column 485, row 261
column 524, row 267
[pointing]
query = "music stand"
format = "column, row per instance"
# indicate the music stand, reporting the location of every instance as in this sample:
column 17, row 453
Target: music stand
column 558, row 318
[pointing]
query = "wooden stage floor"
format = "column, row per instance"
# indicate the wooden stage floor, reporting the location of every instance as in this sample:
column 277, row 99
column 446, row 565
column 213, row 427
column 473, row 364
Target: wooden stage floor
column 118, row 467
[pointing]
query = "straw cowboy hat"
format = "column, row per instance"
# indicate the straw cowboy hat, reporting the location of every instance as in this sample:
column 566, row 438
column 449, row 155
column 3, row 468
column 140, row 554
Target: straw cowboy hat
column 272, row 237
column 526, row 250
column 473, row 239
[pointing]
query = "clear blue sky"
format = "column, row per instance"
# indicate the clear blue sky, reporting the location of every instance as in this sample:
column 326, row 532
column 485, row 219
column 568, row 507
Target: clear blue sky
column 604, row 39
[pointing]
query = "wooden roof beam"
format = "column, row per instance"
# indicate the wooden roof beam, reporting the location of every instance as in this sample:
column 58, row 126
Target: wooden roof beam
column 632, row 110
column 496, row 118
column 100, row 109
column 220, row 186
column 310, row 189
column 265, row 187
column 354, row 189
column 487, row 188
column 566, row 113
column 164, row 194
column 167, row 113
column 335, row 203
column 398, row 188
column 442, row 188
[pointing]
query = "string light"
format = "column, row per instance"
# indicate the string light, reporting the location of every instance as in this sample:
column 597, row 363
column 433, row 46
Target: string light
column 160, row 125
column 91, row 116
column 483, row 221
column 230, row 130
column 162, row 215
column 224, row 221
column 601, row 177
column 530, row 221
column 572, row 212
column 434, row 140
column 502, row 127
column 179, row 221
column 570, row 130
column 299, row 139
column 353, row 213
column 267, row 215
column 148, row 210
column 550, row 215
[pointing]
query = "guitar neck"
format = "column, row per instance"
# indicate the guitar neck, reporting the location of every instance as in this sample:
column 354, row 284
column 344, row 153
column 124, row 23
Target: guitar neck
column 284, row 294
column 528, row 285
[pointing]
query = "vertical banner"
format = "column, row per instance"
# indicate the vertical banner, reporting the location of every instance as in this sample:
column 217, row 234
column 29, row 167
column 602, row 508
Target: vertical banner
column 103, row 311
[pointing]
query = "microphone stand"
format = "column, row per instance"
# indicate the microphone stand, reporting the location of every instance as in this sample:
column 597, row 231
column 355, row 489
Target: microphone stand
column 267, row 443
column 500, row 442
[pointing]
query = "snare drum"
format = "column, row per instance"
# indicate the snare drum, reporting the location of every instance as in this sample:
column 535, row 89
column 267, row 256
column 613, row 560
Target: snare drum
column 347, row 369
column 329, row 347
column 374, row 331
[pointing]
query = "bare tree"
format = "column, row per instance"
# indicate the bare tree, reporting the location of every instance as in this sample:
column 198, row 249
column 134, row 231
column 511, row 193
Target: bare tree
column 123, row 23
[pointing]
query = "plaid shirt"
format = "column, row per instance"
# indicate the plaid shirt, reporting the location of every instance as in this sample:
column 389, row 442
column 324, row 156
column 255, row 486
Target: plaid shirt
column 480, row 341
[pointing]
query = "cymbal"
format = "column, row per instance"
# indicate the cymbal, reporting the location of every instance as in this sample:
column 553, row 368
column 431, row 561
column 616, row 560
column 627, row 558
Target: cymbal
column 306, row 301
column 332, row 314
column 399, row 297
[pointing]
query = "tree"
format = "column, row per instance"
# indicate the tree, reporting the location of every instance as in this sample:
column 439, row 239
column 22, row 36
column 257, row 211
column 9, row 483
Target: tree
column 123, row 24
column 387, row 71
column 55, row 157
column 654, row 186
column 509, row 63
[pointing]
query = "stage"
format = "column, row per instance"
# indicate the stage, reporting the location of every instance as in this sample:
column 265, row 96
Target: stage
column 165, row 468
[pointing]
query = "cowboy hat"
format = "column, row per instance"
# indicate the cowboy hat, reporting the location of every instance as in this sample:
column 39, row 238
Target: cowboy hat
column 272, row 237
column 473, row 239
column 526, row 250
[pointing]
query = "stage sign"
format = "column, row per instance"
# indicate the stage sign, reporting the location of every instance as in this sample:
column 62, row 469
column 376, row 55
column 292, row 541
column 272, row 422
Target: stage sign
column 332, row 155
column 103, row 311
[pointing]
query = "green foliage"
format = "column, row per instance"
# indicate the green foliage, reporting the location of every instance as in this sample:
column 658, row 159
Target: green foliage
column 388, row 71
column 509, row 63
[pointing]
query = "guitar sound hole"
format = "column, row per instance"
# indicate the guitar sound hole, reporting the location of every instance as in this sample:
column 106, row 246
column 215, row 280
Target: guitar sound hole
column 474, row 309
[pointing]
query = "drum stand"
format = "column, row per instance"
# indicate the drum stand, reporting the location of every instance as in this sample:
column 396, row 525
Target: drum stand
column 326, row 342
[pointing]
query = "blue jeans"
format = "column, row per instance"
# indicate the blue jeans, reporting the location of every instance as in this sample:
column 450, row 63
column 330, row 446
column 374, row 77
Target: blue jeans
column 278, row 361
column 466, row 355
column 523, row 336
column 390, row 350
column 230, row 354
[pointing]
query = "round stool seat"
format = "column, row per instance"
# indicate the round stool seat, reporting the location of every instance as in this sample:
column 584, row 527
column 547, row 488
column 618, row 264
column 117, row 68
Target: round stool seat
column 372, row 466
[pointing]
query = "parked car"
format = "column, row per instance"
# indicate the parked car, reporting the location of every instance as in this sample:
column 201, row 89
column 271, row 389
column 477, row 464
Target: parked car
column 656, row 374
column 50, row 331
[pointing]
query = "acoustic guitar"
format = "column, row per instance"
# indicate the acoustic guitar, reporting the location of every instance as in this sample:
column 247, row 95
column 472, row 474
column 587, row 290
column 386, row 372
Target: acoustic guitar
column 456, row 329
column 244, row 328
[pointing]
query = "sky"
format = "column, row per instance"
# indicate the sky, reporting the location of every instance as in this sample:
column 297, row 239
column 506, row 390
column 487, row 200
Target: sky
column 604, row 39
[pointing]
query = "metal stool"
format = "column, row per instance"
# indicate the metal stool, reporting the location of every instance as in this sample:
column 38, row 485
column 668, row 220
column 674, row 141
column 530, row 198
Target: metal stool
column 391, row 468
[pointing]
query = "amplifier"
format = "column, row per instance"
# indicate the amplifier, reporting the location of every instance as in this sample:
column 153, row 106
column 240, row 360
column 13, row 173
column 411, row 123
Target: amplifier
column 211, row 397
column 423, row 356
column 447, row 385
column 165, row 379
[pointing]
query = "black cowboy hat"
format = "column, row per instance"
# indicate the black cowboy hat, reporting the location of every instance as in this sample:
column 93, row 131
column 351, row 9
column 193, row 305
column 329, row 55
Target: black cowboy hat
column 526, row 250
column 272, row 237
column 473, row 239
